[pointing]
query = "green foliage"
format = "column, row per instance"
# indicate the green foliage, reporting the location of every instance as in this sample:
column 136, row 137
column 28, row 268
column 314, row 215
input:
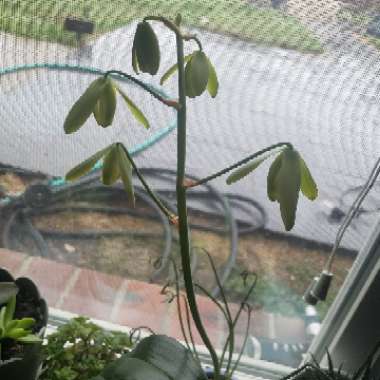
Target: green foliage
column 84, row 106
column 312, row 371
column 145, row 50
column 308, row 186
column 85, row 166
column 136, row 112
column 38, row 19
column 196, row 74
column 213, row 83
column 157, row 357
column 173, row 69
column 100, row 100
column 286, row 186
column 19, row 330
column 80, row 349
column 160, row 357
column 7, row 290
column 116, row 165
column 246, row 169
column 286, row 177
column 105, row 107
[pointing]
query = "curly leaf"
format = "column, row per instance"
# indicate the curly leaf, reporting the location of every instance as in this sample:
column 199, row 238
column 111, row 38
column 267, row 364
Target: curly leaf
column 136, row 112
column 125, row 168
column 111, row 172
column 308, row 186
column 84, row 106
column 173, row 69
column 85, row 166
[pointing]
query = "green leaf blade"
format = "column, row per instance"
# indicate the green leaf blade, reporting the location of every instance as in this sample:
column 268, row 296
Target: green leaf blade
column 308, row 186
column 136, row 112
column 173, row 69
column 85, row 166
column 288, row 183
column 125, row 168
column 16, row 333
column 246, row 169
column 146, row 49
column 7, row 290
column 30, row 339
column 83, row 107
column 9, row 310
column 213, row 83
column 26, row 323
column 196, row 74
column 111, row 172
column 105, row 108
column 271, row 178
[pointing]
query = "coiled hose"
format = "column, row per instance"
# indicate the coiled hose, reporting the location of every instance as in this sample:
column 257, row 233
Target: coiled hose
column 48, row 199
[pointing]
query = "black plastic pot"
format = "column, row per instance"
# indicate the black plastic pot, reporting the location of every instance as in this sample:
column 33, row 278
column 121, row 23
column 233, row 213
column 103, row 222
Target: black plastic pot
column 28, row 304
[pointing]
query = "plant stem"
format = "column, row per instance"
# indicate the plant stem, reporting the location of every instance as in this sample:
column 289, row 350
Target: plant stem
column 146, row 87
column 172, row 218
column 189, row 37
column 235, row 165
column 169, row 24
column 182, row 208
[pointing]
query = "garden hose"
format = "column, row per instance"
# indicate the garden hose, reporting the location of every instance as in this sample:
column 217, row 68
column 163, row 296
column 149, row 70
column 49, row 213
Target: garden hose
column 88, row 187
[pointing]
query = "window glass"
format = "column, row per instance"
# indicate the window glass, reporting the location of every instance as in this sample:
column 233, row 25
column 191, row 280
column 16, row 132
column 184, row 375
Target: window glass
column 304, row 72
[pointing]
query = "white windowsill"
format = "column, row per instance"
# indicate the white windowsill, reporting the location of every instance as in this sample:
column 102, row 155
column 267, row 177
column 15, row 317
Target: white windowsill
column 249, row 369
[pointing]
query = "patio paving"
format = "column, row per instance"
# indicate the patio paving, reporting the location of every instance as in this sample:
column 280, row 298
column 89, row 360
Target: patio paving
column 134, row 303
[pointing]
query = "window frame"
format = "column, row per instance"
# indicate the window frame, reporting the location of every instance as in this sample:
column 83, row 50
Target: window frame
column 338, row 331
column 342, row 332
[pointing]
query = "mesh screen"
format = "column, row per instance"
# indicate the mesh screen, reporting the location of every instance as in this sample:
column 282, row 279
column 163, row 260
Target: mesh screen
column 303, row 71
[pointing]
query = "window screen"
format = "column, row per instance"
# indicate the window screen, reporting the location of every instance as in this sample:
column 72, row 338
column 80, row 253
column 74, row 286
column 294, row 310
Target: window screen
column 299, row 71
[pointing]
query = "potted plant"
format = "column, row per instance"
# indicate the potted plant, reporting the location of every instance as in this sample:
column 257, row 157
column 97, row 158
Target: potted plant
column 157, row 356
column 314, row 371
column 80, row 349
column 23, row 318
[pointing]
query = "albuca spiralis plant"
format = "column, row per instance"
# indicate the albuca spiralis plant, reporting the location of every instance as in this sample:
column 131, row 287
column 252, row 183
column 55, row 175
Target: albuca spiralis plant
column 160, row 357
